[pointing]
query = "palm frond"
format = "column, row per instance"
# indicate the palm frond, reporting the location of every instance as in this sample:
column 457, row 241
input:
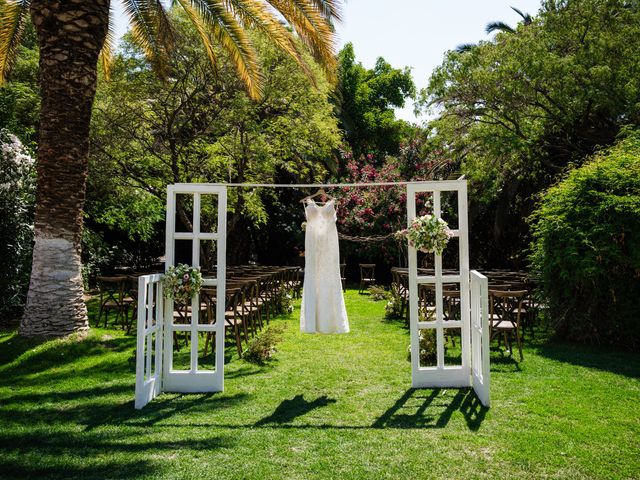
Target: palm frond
column 107, row 54
column 465, row 47
column 13, row 15
column 526, row 18
column 499, row 27
column 314, row 29
column 151, row 31
column 224, row 27
column 330, row 9
column 255, row 14
column 201, row 28
column 165, row 30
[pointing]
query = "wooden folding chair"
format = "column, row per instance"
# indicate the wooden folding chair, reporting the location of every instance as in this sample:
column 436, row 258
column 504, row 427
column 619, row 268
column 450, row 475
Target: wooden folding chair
column 505, row 312
column 367, row 276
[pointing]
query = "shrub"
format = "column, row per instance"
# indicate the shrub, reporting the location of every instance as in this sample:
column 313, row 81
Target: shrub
column 262, row 347
column 586, row 248
column 377, row 293
column 284, row 301
column 17, row 199
column 428, row 347
column 393, row 308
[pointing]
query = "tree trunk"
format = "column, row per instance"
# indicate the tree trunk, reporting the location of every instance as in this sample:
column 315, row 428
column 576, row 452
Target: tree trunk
column 71, row 34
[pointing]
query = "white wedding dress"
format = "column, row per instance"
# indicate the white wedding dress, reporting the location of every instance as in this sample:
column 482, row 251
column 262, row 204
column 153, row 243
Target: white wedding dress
column 322, row 308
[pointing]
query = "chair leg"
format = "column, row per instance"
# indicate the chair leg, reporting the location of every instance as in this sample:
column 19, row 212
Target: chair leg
column 99, row 314
column 125, row 317
column 519, row 342
column 206, row 344
column 134, row 317
column 244, row 329
column 118, row 310
column 210, row 338
column 236, row 332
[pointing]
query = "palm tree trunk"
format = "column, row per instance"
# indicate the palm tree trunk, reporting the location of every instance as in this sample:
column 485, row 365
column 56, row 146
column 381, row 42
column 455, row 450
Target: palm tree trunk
column 71, row 34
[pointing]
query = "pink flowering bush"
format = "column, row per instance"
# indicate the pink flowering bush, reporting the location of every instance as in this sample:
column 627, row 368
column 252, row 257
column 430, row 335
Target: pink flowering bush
column 380, row 210
column 17, row 199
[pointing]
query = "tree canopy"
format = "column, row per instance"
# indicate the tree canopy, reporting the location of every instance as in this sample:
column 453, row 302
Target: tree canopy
column 201, row 126
column 518, row 110
column 366, row 100
column 20, row 97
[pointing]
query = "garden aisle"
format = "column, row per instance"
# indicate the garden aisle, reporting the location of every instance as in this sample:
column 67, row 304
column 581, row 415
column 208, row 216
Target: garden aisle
column 328, row 407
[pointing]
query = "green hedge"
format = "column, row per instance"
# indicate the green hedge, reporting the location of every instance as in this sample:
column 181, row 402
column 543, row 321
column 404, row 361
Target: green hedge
column 586, row 248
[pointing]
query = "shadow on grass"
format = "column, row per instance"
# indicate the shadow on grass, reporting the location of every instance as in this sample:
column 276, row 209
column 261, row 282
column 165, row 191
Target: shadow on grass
column 45, row 454
column 95, row 407
column 398, row 322
column 429, row 408
column 288, row 410
column 58, row 354
column 38, row 443
column 599, row 358
column 27, row 468
column 415, row 409
column 14, row 346
column 98, row 443
column 252, row 369
column 502, row 362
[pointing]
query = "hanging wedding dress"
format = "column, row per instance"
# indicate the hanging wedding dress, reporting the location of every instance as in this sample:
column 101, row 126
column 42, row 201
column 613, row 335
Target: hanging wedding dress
column 322, row 308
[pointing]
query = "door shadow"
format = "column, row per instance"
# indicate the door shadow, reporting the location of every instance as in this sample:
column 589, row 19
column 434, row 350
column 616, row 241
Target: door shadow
column 288, row 410
column 431, row 408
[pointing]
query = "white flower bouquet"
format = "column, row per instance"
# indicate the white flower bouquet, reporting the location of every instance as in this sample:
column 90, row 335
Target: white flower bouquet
column 182, row 282
column 428, row 234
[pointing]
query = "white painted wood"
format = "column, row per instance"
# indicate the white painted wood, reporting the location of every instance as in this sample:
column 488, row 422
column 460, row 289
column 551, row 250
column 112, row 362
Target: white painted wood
column 439, row 299
column 149, row 355
column 480, row 369
column 440, row 375
column 221, row 279
column 432, row 279
column 195, row 379
column 166, row 378
column 463, row 255
column 191, row 236
column 416, row 377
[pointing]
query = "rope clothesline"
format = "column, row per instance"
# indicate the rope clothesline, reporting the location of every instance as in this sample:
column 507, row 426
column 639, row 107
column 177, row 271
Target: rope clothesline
column 314, row 185
column 328, row 185
column 369, row 239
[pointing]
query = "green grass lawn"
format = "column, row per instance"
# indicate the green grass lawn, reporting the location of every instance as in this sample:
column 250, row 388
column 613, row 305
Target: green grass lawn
column 326, row 407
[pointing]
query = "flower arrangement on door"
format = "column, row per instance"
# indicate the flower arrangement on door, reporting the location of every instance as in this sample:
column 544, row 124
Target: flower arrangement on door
column 428, row 234
column 182, row 282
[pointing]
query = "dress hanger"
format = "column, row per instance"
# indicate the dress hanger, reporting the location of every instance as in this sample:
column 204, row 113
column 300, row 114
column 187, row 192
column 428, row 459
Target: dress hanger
column 318, row 193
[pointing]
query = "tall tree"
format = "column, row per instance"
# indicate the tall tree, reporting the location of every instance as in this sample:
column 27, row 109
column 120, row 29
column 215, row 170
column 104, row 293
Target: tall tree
column 71, row 35
column 519, row 110
column 365, row 103
column 202, row 126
